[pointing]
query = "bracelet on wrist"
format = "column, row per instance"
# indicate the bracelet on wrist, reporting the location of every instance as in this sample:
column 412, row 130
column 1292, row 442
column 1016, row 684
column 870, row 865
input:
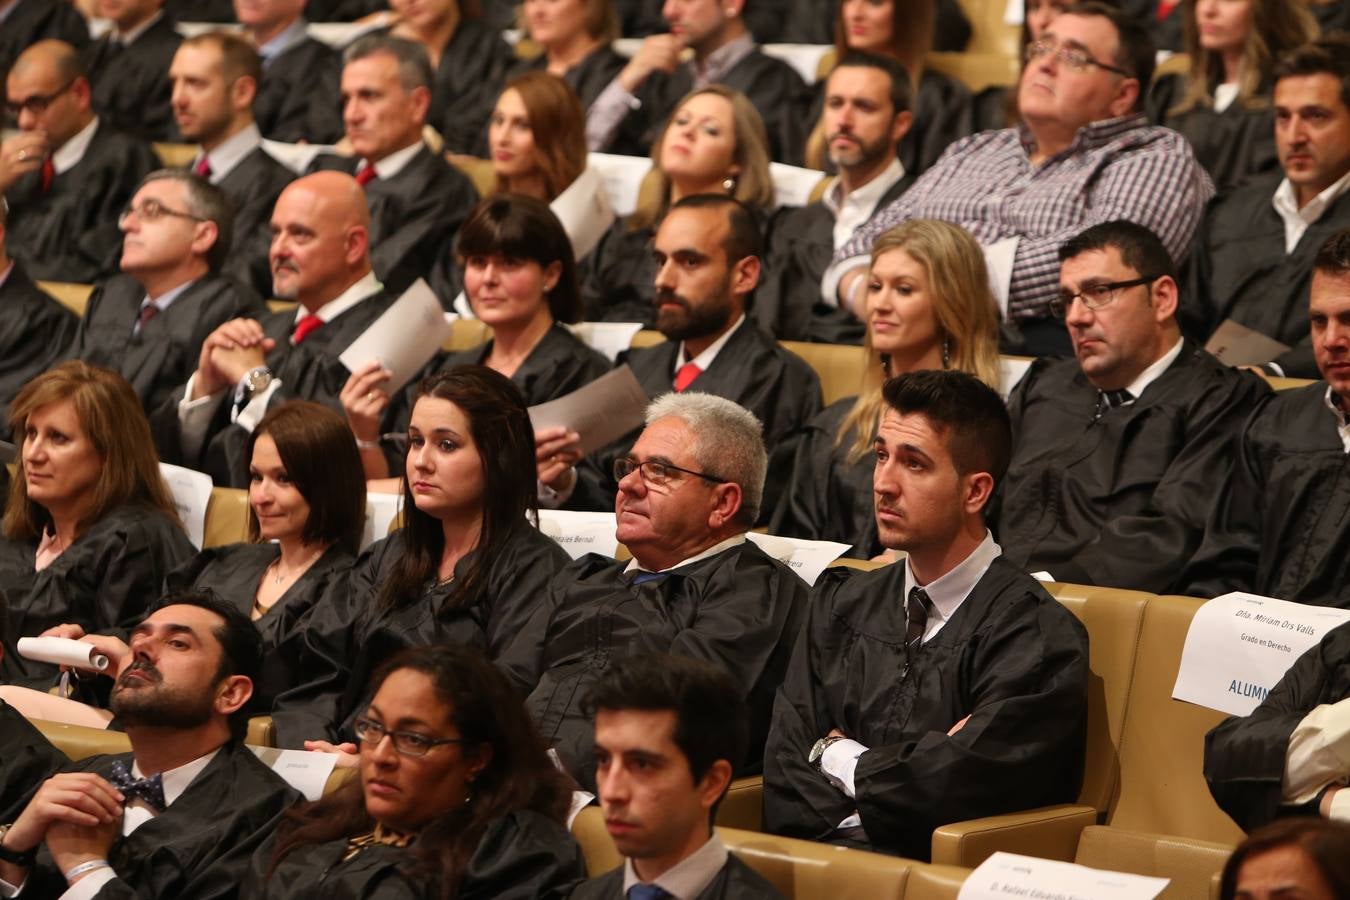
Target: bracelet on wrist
column 76, row 871
column 367, row 445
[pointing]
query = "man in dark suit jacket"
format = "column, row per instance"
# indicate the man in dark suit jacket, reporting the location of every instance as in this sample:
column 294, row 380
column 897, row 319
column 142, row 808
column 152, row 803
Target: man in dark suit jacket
column 178, row 816
column 215, row 77
column 28, row 21
column 67, row 174
column 668, row 732
column 320, row 258
column 417, row 201
column 298, row 97
column 129, row 68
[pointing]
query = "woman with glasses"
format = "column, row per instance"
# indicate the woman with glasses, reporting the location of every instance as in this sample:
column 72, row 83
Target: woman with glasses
column 457, row 797
column 1222, row 104
column 466, row 568
column 928, row 307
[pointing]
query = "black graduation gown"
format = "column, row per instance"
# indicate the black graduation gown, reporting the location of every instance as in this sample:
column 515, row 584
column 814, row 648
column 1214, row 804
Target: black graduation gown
column 253, row 186
column 558, row 365
column 639, row 18
column 307, row 371
column 199, row 847
column 1238, row 270
column 234, row 572
column 104, row 582
column 734, row 881
column 131, row 88
column 300, row 95
column 1280, row 521
column 1232, row 145
column 341, row 10
column 414, row 216
column 469, row 77
column 348, row 636
column 801, row 244
column 812, row 22
column 738, row 609
column 163, row 354
column 1245, row 755
column 1331, row 15
column 1010, row 658
column 70, row 233
column 1120, row 501
column 31, row 21
column 521, row 856
column 34, row 330
column 589, row 77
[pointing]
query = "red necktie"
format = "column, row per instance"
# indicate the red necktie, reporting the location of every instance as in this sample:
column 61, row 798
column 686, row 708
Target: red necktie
column 148, row 312
column 366, row 174
column 48, row 174
column 685, row 377
column 305, row 327
column 203, row 168
column 1165, row 8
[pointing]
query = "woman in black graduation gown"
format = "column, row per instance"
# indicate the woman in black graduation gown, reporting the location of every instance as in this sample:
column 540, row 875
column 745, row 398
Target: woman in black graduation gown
column 90, row 528
column 713, row 143
column 536, row 104
column 575, row 37
column 457, row 798
column 1222, row 105
column 928, row 307
column 466, row 568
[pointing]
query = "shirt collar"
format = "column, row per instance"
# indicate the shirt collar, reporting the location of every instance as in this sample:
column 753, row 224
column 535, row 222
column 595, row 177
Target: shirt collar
column 721, row 60
column 231, row 152
column 734, row 541
column 7, row 8
column 69, row 154
column 392, row 164
column 176, row 781
column 1285, row 200
column 1090, row 136
column 866, row 196
column 705, row 359
column 291, row 35
column 1149, row 375
column 165, row 300
column 1333, row 402
column 690, row 876
column 129, row 37
column 360, row 290
column 950, row 590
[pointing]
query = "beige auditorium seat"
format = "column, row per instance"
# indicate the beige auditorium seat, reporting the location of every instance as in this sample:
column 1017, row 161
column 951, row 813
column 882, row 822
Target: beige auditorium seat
column 647, row 338
column 479, row 170
column 81, row 741
column 1288, row 384
column 466, row 333
column 175, row 156
column 989, row 34
column 977, row 71
column 261, row 732
column 74, row 297
column 279, row 306
column 226, row 517
column 839, row 366
column 743, row 806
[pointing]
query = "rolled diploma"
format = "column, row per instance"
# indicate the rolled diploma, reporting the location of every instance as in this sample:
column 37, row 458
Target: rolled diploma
column 63, row 652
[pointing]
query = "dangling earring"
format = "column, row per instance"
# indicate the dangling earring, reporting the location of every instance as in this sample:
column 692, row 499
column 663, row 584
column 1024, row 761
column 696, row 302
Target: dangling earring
column 729, row 184
column 946, row 353
column 885, row 365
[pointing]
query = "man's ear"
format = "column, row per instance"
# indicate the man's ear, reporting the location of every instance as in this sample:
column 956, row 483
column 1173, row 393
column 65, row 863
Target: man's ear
column 900, row 125
column 714, row 783
column 1165, row 296
column 745, row 275
column 726, row 504
column 977, row 488
column 243, row 91
column 355, row 244
column 421, row 101
column 233, row 692
column 1127, row 92
column 205, row 237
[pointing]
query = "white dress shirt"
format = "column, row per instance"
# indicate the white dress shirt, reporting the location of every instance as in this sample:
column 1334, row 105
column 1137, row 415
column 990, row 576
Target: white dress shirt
column 69, row 154
column 687, row 878
column 1297, row 221
column 856, row 207
column 1318, row 756
column 734, row 540
column 163, row 301
column 1342, row 420
column 230, row 152
column 705, row 359
column 395, row 162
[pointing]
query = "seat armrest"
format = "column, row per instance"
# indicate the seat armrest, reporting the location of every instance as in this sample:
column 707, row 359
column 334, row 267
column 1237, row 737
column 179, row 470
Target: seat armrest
column 261, row 732
column 1050, row 832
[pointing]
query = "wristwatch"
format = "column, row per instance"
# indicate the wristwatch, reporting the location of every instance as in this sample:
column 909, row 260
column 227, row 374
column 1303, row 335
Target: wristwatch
column 817, row 755
column 15, row 857
column 257, row 379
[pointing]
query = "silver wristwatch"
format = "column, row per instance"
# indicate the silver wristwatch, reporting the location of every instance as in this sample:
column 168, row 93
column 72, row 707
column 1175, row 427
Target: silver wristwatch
column 817, row 755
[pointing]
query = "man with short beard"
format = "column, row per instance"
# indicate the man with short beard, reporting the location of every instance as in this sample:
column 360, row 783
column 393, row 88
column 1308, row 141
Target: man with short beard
column 178, row 816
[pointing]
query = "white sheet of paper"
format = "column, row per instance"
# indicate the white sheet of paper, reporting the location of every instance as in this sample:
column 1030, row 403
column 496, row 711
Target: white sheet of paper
column 584, row 211
column 381, row 510
column 339, row 34
column 1239, row 645
column 1015, row 13
column 404, row 338
column 805, row 58
column 580, row 800
column 1010, row 371
column 192, row 29
column 792, row 185
column 295, row 157
column 621, row 176
column 805, row 558
column 303, row 770
column 609, row 338
column 998, row 257
column 602, row 411
column 191, row 493
column 580, row 533
column 1009, row 875
column 1234, row 344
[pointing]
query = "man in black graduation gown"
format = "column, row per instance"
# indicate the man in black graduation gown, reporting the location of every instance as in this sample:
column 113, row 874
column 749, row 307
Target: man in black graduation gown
column 298, row 97
column 628, row 114
column 129, row 68
column 668, row 733
column 215, row 77
column 1117, row 452
column 320, row 258
column 688, row 491
column 947, row 687
column 25, row 22
column 1280, row 524
column 34, row 329
column 867, row 112
column 67, row 175
column 149, row 322
column 178, row 816
column 1253, row 259
column 417, row 200
column 708, row 252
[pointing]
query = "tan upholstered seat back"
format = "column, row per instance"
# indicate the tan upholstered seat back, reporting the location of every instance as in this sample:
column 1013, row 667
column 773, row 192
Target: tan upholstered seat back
column 226, row 517
column 596, row 845
column 1189, row 864
column 73, row 296
column 839, row 366
column 81, row 741
column 466, row 333
column 805, row 869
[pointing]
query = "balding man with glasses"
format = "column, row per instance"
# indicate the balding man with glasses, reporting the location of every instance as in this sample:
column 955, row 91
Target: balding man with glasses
column 1117, row 454
column 689, row 490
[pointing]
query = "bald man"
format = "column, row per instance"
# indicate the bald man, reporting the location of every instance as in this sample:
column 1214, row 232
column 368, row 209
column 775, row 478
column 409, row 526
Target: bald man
column 320, row 258
column 67, row 176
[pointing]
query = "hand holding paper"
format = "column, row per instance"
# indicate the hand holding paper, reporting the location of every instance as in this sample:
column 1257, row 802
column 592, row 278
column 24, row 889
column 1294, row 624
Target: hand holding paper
column 602, row 411
column 404, row 339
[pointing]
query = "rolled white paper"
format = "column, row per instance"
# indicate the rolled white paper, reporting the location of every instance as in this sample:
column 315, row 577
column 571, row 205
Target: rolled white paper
column 63, row 652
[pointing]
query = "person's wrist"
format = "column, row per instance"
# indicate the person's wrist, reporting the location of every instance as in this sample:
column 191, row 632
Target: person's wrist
column 75, row 871
column 14, row 849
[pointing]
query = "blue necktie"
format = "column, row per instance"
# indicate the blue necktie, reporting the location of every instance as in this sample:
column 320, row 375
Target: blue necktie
column 643, row 578
column 648, row 892
column 149, row 790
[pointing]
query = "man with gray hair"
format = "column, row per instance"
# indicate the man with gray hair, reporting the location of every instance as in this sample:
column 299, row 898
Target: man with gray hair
column 417, row 200
column 689, row 490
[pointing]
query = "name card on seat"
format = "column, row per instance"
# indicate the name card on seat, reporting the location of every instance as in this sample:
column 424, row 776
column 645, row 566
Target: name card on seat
column 580, row 533
column 1009, row 875
column 191, row 492
column 805, row 558
column 304, row 770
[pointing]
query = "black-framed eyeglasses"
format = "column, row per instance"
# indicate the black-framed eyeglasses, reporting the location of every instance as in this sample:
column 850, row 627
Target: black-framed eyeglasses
column 36, row 104
column 151, row 209
column 409, row 743
column 1075, row 59
column 1096, row 296
column 655, row 473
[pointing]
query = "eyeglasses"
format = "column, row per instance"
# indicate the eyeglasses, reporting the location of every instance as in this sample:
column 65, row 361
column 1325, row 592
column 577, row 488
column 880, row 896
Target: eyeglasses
column 657, row 474
column 151, row 210
column 1096, row 296
column 36, row 104
column 409, row 743
column 1074, row 58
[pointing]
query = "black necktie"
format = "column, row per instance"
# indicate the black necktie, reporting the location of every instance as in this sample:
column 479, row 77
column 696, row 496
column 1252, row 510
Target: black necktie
column 150, row 790
column 916, row 617
column 1110, row 400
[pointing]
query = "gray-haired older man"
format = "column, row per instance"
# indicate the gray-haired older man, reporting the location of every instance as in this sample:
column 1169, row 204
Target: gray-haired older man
column 688, row 491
